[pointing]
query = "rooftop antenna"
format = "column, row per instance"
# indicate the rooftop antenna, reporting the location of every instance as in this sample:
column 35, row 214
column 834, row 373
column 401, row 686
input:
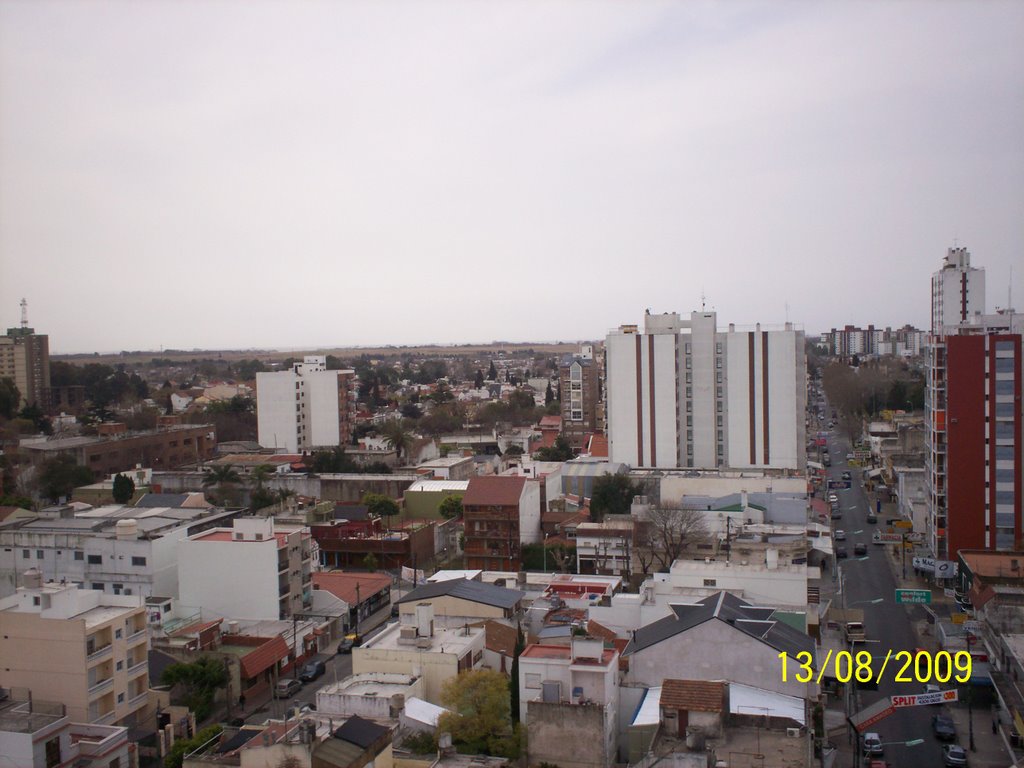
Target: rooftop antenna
column 1009, row 291
column 24, row 314
column 787, row 311
column 701, row 299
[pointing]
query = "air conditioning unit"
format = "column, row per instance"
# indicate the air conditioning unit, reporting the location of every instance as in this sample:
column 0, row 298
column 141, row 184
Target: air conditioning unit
column 793, row 733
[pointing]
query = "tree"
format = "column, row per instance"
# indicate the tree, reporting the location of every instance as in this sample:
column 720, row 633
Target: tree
column 399, row 438
column 478, row 379
column 10, row 397
column 480, row 720
column 176, row 756
column 382, row 506
column 613, row 495
column 61, row 475
column 451, row 507
column 666, row 533
column 549, row 395
column 221, row 476
column 370, row 562
column 560, row 451
column 124, row 489
column 200, row 679
column 492, row 372
column 514, row 450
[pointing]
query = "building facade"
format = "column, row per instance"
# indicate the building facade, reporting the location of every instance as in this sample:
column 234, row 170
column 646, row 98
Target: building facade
column 683, row 394
column 958, row 291
column 85, row 649
column 25, row 359
column 252, row 570
column 305, row 408
column 579, row 381
column 500, row 514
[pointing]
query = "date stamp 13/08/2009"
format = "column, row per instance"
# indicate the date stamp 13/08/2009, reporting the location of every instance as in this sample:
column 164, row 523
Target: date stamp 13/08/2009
column 906, row 667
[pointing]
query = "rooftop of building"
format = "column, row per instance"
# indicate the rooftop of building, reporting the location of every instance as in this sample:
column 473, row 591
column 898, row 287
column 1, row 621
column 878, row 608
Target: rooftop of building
column 70, row 443
column 378, row 684
column 29, row 716
column 543, row 652
column 351, row 587
column 464, row 589
column 437, row 486
column 494, row 490
column 987, row 564
column 150, row 522
column 452, row 641
column 227, row 535
column 445, row 461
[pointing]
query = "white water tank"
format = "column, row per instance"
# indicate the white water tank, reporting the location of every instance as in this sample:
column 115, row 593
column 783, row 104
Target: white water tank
column 127, row 529
column 33, row 578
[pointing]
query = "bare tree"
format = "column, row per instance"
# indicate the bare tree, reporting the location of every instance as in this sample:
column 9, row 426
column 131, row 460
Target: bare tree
column 667, row 533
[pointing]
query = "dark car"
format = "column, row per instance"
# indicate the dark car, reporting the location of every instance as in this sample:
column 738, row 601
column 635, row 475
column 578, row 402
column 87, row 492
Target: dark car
column 953, row 755
column 943, row 728
column 847, row 476
column 841, row 552
column 872, row 519
column 860, row 549
column 312, row 671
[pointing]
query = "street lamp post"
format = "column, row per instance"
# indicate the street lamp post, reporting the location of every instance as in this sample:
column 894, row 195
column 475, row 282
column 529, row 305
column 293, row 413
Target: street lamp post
column 970, row 700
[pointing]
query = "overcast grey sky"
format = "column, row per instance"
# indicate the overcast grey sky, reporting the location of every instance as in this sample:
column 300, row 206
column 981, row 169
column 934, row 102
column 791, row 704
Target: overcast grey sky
column 289, row 174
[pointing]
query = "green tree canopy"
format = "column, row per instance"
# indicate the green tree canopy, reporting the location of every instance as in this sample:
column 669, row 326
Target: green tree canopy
column 451, row 507
column 481, row 719
column 61, row 475
column 124, row 489
column 380, row 505
column 613, row 495
column 560, row 451
column 397, row 436
column 10, row 397
column 492, row 372
column 200, row 680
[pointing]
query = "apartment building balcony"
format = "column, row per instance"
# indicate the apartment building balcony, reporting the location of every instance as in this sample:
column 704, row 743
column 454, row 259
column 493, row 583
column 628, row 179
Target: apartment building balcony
column 139, row 699
column 135, row 669
column 98, row 654
column 103, row 686
column 135, row 637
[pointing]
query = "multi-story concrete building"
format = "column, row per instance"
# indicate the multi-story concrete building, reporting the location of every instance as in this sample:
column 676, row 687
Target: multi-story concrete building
column 869, row 342
column 500, row 514
column 39, row 734
column 580, row 383
column 973, row 432
column 305, row 408
column 25, row 359
column 117, row 449
column 114, row 549
column 569, row 701
column 83, row 648
column 958, row 291
column 683, row 394
column 252, row 570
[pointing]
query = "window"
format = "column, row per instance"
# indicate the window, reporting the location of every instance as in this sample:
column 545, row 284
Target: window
column 120, row 698
column 95, row 560
column 1004, row 387
column 39, row 554
column 120, row 666
column 98, row 585
column 118, row 634
column 710, row 582
column 689, row 364
column 718, row 377
column 532, row 680
column 138, row 561
column 718, row 348
column 718, row 362
column 24, row 553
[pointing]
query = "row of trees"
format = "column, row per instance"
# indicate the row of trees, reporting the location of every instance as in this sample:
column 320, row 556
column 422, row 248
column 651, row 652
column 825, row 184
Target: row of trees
column 865, row 391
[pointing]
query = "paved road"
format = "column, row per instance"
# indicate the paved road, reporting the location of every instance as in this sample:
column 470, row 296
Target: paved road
column 338, row 667
column 886, row 623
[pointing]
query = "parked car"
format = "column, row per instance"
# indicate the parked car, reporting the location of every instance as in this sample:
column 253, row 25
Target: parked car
column 859, row 549
column 312, row 671
column 872, row 519
column 872, row 744
column 840, row 535
column 287, row 688
column 833, row 498
column 953, row 755
column 841, row 552
column 847, row 475
column 349, row 642
column 943, row 728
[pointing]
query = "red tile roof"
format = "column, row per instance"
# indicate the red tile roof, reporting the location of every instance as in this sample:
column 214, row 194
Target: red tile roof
column 500, row 638
column 551, row 421
column 494, row 490
column 195, row 628
column 693, row 695
column 343, row 585
column 264, row 656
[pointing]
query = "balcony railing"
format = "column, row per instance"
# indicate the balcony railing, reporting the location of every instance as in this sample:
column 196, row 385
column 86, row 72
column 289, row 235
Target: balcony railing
column 98, row 654
column 134, row 669
column 138, row 699
column 136, row 636
column 101, row 687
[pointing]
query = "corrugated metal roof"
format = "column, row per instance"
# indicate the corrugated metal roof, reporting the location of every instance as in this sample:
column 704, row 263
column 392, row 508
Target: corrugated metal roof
column 435, row 486
column 474, row 591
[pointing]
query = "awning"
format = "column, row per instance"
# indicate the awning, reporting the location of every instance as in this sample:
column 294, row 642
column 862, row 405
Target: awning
column 872, row 473
column 747, row 700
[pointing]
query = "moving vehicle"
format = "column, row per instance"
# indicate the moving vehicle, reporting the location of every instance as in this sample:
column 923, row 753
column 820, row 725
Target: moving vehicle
column 872, row 744
column 943, row 728
column 287, row 688
column 832, row 498
column 312, row 671
column 854, row 632
column 953, row 755
column 840, row 535
column 841, row 553
column 860, row 549
column 846, row 475
column 872, row 519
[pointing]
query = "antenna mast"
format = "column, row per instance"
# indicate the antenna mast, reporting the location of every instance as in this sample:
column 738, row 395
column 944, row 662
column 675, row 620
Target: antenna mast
column 24, row 314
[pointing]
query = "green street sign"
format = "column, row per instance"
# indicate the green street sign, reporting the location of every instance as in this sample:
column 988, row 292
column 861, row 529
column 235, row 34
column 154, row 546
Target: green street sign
column 913, row 596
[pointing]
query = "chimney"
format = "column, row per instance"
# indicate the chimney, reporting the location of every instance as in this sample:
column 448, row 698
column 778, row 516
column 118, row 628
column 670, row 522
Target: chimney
column 424, row 620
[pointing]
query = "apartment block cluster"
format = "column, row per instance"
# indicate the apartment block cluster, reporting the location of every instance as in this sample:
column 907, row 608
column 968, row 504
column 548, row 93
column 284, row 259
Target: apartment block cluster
column 865, row 343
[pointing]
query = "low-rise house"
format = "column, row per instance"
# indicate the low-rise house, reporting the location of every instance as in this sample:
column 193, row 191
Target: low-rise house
column 458, row 600
column 366, row 595
column 415, row 646
column 569, row 701
column 720, row 637
column 376, row 695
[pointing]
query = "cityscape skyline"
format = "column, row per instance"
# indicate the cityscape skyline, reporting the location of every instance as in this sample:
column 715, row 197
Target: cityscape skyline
column 325, row 176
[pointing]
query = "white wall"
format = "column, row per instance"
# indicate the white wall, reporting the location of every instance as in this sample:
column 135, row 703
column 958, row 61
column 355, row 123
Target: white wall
column 529, row 513
column 276, row 414
column 230, row 578
column 620, row 360
column 322, row 403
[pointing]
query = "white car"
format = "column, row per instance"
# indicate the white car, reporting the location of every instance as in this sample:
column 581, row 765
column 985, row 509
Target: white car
column 840, row 535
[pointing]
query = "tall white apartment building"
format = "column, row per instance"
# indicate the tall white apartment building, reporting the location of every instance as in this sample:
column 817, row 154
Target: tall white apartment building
column 683, row 394
column 305, row 408
column 958, row 291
